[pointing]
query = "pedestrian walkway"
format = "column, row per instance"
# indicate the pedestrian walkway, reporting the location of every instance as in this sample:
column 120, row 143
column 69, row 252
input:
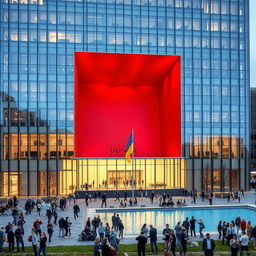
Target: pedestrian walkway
column 78, row 224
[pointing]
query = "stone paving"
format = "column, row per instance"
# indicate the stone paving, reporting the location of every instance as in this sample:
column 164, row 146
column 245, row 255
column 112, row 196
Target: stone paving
column 78, row 224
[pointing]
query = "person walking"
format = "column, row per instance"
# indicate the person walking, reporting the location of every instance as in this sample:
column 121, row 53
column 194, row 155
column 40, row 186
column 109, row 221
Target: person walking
column 55, row 215
column 19, row 233
column 34, row 240
column 10, row 239
column 2, row 238
column 50, row 231
column 42, row 245
column 201, row 227
column 234, row 245
column 101, row 230
column 193, row 226
column 15, row 214
column 76, row 210
column 208, row 245
column 141, row 245
column 220, row 229
column 244, row 241
column 153, row 239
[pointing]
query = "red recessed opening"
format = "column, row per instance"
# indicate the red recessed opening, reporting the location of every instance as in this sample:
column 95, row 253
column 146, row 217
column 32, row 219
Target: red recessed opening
column 117, row 92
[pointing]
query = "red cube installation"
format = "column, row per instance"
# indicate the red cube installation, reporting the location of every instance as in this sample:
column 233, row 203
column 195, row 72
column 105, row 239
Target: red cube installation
column 117, row 92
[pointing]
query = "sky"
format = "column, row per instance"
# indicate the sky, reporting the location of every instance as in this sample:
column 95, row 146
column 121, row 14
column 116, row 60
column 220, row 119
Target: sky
column 253, row 43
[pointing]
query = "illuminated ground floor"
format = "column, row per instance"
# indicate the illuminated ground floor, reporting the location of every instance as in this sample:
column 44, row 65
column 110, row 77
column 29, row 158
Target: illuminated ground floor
column 61, row 177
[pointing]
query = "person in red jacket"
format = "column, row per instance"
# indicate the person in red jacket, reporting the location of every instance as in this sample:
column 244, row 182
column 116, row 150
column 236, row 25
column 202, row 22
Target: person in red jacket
column 243, row 225
column 37, row 225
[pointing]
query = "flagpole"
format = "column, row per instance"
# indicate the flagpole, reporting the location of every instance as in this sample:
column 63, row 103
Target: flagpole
column 133, row 164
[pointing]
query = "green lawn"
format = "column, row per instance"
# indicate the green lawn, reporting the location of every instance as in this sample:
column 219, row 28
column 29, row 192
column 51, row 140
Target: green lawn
column 130, row 249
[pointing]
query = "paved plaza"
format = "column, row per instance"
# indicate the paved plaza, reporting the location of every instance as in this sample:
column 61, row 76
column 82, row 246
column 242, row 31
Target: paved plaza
column 78, row 224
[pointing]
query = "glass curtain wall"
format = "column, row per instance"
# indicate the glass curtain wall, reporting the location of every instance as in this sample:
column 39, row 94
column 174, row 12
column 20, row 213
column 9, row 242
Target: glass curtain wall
column 38, row 39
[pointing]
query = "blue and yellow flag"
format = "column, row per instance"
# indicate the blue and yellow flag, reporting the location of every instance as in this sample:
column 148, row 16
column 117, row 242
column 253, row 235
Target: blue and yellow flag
column 129, row 148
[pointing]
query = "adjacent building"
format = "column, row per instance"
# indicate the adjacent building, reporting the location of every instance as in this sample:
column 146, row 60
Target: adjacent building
column 38, row 39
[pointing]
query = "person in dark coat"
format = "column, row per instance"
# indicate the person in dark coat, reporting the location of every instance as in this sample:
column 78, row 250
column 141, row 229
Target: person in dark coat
column 19, row 233
column 10, row 238
column 153, row 239
column 193, row 226
column 141, row 246
column 183, row 241
column 208, row 245
column 76, row 210
column 105, row 247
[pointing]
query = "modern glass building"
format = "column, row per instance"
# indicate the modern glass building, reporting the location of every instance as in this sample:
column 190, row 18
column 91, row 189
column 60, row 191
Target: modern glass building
column 38, row 39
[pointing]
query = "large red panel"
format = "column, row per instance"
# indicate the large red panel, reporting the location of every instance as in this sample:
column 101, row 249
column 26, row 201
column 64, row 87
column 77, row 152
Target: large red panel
column 117, row 92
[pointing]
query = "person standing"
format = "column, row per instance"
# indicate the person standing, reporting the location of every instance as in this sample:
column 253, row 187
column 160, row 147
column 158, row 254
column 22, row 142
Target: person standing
column 121, row 229
column 193, row 226
column 2, row 238
column 253, row 233
column 61, row 226
column 183, row 241
column 208, row 245
column 244, row 241
column 10, row 239
column 50, row 230
column 19, row 233
column 97, row 247
column 141, row 246
column 234, row 245
column 153, row 239
column 144, row 230
column 35, row 240
column 178, row 232
column 185, row 224
column 42, row 245
column 167, row 232
column 101, row 231
column 113, row 239
column 105, row 247
column 107, row 230
column 172, row 245
column 37, row 225
column 104, row 200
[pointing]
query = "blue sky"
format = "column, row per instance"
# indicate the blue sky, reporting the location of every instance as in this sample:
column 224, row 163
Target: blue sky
column 253, row 42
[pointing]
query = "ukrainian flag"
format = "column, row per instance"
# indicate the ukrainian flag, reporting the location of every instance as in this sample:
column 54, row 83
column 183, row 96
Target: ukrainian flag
column 129, row 148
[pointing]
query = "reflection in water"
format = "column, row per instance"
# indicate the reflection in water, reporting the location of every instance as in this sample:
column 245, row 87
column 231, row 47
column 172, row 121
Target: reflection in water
column 134, row 219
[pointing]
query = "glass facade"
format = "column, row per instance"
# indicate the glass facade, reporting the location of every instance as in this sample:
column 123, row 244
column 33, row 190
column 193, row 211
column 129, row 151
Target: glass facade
column 38, row 39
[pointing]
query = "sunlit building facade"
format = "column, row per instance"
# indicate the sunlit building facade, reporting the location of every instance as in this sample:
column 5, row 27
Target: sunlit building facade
column 38, row 39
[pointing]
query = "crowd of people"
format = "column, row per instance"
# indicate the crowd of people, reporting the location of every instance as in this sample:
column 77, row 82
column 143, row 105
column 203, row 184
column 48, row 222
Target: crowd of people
column 14, row 233
column 106, row 236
